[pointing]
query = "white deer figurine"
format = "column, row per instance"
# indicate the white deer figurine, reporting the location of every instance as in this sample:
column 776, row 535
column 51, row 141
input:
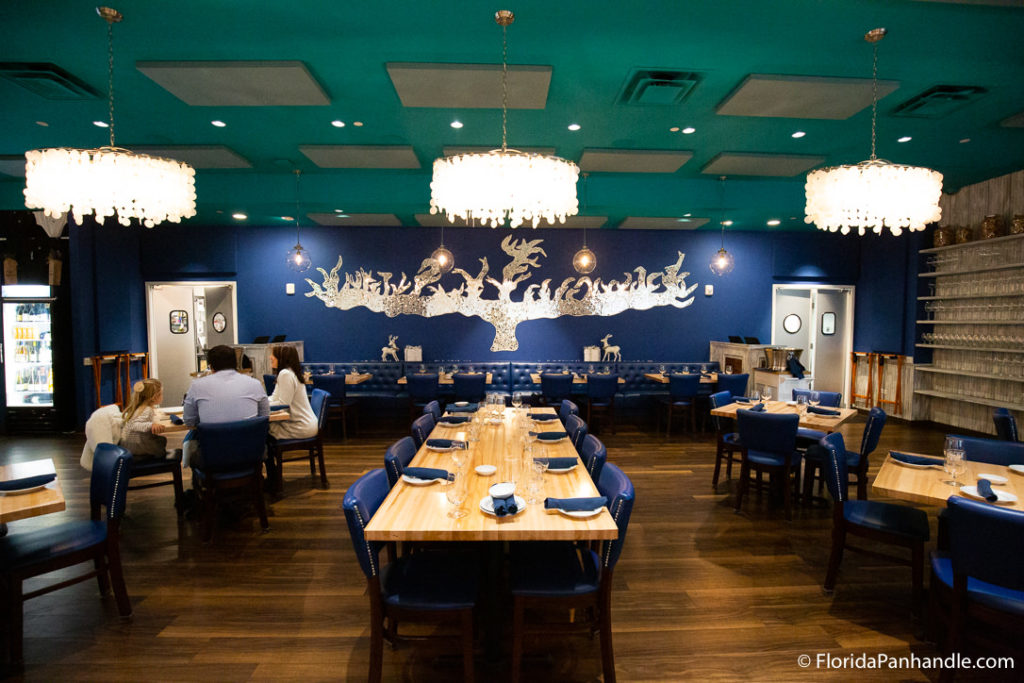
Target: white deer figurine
column 610, row 352
column 390, row 350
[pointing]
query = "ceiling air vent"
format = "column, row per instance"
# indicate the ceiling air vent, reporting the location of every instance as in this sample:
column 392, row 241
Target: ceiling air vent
column 938, row 101
column 47, row 80
column 657, row 87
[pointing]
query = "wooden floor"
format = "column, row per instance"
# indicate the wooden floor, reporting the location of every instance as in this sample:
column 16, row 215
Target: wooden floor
column 701, row 593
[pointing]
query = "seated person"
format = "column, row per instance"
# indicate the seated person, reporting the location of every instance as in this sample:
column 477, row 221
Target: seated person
column 141, row 430
column 290, row 391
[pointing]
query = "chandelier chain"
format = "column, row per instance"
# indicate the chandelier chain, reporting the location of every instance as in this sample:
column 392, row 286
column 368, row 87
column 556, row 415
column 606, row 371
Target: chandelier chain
column 298, row 240
column 721, row 202
column 504, row 87
column 110, row 78
column 586, row 203
column 874, row 98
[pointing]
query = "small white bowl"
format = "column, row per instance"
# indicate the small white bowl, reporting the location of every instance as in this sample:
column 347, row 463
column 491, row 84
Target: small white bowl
column 502, row 489
column 485, row 470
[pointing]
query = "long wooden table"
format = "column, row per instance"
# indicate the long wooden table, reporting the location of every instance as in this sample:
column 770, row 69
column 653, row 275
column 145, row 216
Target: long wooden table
column 445, row 378
column 420, row 513
column 664, row 379
column 576, row 379
column 350, row 379
column 925, row 485
column 809, row 420
column 42, row 502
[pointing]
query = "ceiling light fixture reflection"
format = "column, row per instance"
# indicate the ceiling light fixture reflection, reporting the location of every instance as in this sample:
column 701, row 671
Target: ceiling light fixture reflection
column 504, row 185
column 773, row 222
column 574, row 126
column 905, row 138
column 218, row 123
column 876, row 193
column 456, row 124
column 239, row 216
column 798, row 134
column 101, row 124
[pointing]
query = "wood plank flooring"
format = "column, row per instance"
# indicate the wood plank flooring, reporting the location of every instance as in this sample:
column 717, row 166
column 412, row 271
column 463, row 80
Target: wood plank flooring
column 701, row 593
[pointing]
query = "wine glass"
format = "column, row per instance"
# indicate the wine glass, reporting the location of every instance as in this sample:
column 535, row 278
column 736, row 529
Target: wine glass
column 661, row 370
column 801, row 403
column 953, row 462
column 814, row 399
column 766, row 394
column 728, row 369
column 455, row 492
column 535, row 485
column 517, row 400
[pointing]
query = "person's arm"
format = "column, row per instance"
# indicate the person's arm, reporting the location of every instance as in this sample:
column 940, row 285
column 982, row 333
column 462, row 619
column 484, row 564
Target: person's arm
column 284, row 390
column 190, row 411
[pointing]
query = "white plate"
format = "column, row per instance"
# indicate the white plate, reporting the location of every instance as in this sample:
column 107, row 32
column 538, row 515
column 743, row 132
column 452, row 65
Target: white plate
column 994, row 479
column 485, row 470
column 1003, row 496
column 562, row 470
column 1017, row 469
column 790, row 403
column 487, row 505
column 540, row 440
column 580, row 514
column 18, row 492
column 938, row 463
column 416, row 481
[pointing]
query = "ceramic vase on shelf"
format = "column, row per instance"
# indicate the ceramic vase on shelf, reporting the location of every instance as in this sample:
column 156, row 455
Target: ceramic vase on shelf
column 1017, row 226
column 944, row 235
column 964, row 234
column 992, row 226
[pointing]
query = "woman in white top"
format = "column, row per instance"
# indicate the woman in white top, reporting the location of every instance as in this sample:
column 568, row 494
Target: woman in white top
column 292, row 392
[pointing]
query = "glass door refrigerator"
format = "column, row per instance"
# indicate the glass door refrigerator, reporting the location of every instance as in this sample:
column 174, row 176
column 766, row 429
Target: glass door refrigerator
column 28, row 357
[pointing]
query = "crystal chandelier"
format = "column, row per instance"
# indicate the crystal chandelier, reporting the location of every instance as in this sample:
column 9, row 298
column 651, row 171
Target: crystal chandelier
column 873, row 194
column 298, row 257
column 109, row 180
column 722, row 262
column 584, row 261
column 504, row 184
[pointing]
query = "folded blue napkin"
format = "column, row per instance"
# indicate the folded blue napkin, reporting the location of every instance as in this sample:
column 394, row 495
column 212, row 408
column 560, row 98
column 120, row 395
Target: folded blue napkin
column 549, row 436
column 759, row 408
column 985, row 490
column 471, row 408
column 575, row 504
column 278, row 407
column 504, row 506
column 455, row 419
column 445, row 443
column 740, row 399
column 426, row 472
column 914, row 459
column 822, row 411
column 175, row 420
column 543, row 417
column 558, row 463
column 27, row 482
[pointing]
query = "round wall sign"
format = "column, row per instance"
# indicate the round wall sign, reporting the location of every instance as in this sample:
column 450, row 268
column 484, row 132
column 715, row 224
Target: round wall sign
column 219, row 322
column 791, row 323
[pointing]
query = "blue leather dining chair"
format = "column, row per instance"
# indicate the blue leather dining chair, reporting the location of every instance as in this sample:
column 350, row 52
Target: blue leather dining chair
column 827, row 399
column 469, row 387
column 728, row 441
column 1006, row 424
column 594, row 455
column 856, row 461
column 434, row 409
column 682, row 395
column 421, row 428
column 577, row 431
column 339, row 403
column 232, row 458
column 768, row 444
column 270, row 382
column 313, row 446
column 601, row 398
column 992, row 451
column 886, row 522
column 555, row 387
column 564, row 575
column 434, row 584
column 397, row 457
column 33, row 553
column 566, row 409
column 423, row 388
column 736, row 385
column 977, row 587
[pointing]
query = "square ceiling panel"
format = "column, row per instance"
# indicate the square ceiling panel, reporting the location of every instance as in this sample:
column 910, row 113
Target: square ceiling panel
column 801, row 97
column 1015, row 121
column 197, row 156
column 356, row 219
column 361, row 156
column 469, row 86
column 661, row 223
column 13, row 165
column 238, row 84
column 775, row 165
column 633, row 160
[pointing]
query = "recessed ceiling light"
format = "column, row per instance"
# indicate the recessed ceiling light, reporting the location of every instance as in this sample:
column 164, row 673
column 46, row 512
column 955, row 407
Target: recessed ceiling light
column 687, row 214
column 905, row 138
column 101, row 124
column 574, row 126
column 357, row 124
column 287, row 218
column 773, row 222
column 44, row 124
column 239, row 216
column 965, row 140
column 218, row 123
column 673, row 129
column 456, row 124
column 341, row 215
column 688, row 130
column 337, row 123
column 727, row 223
column 339, row 211
column 798, row 134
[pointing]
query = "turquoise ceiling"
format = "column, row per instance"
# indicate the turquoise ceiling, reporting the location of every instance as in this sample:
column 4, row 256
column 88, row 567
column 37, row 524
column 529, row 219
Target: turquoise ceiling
column 591, row 48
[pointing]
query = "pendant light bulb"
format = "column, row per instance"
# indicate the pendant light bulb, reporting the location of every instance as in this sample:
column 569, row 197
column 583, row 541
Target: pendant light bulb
column 443, row 256
column 298, row 257
column 584, row 261
column 722, row 262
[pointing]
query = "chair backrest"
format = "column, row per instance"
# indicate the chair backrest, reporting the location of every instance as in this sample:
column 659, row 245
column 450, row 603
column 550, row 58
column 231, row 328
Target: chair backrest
column 422, row 387
column 568, row 408
column 360, row 503
column 555, row 386
column 397, row 457
column 872, row 432
column 768, row 432
column 734, row 384
column 829, row 399
column 230, row 446
column 421, row 428
column 992, row 451
column 835, row 471
column 617, row 487
column 1006, row 424
column 602, row 387
column 682, row 387
column 318, row 401
column 469, row 387
column 594, row 455
column 986, row 542
column 270, row 381
column 434, row 409
column 576, row 428
column 717, row 400
column 111, row 468
column 332, row 384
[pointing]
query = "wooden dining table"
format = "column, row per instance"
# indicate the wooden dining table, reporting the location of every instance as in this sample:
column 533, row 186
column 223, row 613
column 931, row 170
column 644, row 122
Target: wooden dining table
column 809, row 420
column 711, row 378
column 420, row 513
column 447, row 378
column 576, row 379
column 48, row 499
column 171, row 428
column 919, row 485
column 350, row 379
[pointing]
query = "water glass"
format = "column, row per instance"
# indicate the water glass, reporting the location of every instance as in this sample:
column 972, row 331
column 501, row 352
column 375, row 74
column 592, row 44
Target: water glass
column 455, row 492
column 953, row 463
column 728, row 369
column 801, row 404
column 814, row 398
column 766, row 394
column 517, row 400
column 535, row 485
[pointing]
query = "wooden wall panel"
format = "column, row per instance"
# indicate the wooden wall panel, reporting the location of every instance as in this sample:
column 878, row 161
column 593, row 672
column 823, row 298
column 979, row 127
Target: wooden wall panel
column 1003, row 195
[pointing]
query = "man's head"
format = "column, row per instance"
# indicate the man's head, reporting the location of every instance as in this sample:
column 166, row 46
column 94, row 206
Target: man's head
column 221, row 358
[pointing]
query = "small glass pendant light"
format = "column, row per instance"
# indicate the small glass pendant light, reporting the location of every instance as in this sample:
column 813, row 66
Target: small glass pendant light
column 584, row 261
column 298, row 257
column 722, row 262
column 444, row 257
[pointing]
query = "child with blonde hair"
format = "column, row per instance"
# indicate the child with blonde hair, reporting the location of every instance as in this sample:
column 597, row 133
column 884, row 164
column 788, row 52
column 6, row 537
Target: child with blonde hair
column 141, row 432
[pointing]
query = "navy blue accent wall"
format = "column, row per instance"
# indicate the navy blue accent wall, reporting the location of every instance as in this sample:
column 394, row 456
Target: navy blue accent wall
column 113, row 263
